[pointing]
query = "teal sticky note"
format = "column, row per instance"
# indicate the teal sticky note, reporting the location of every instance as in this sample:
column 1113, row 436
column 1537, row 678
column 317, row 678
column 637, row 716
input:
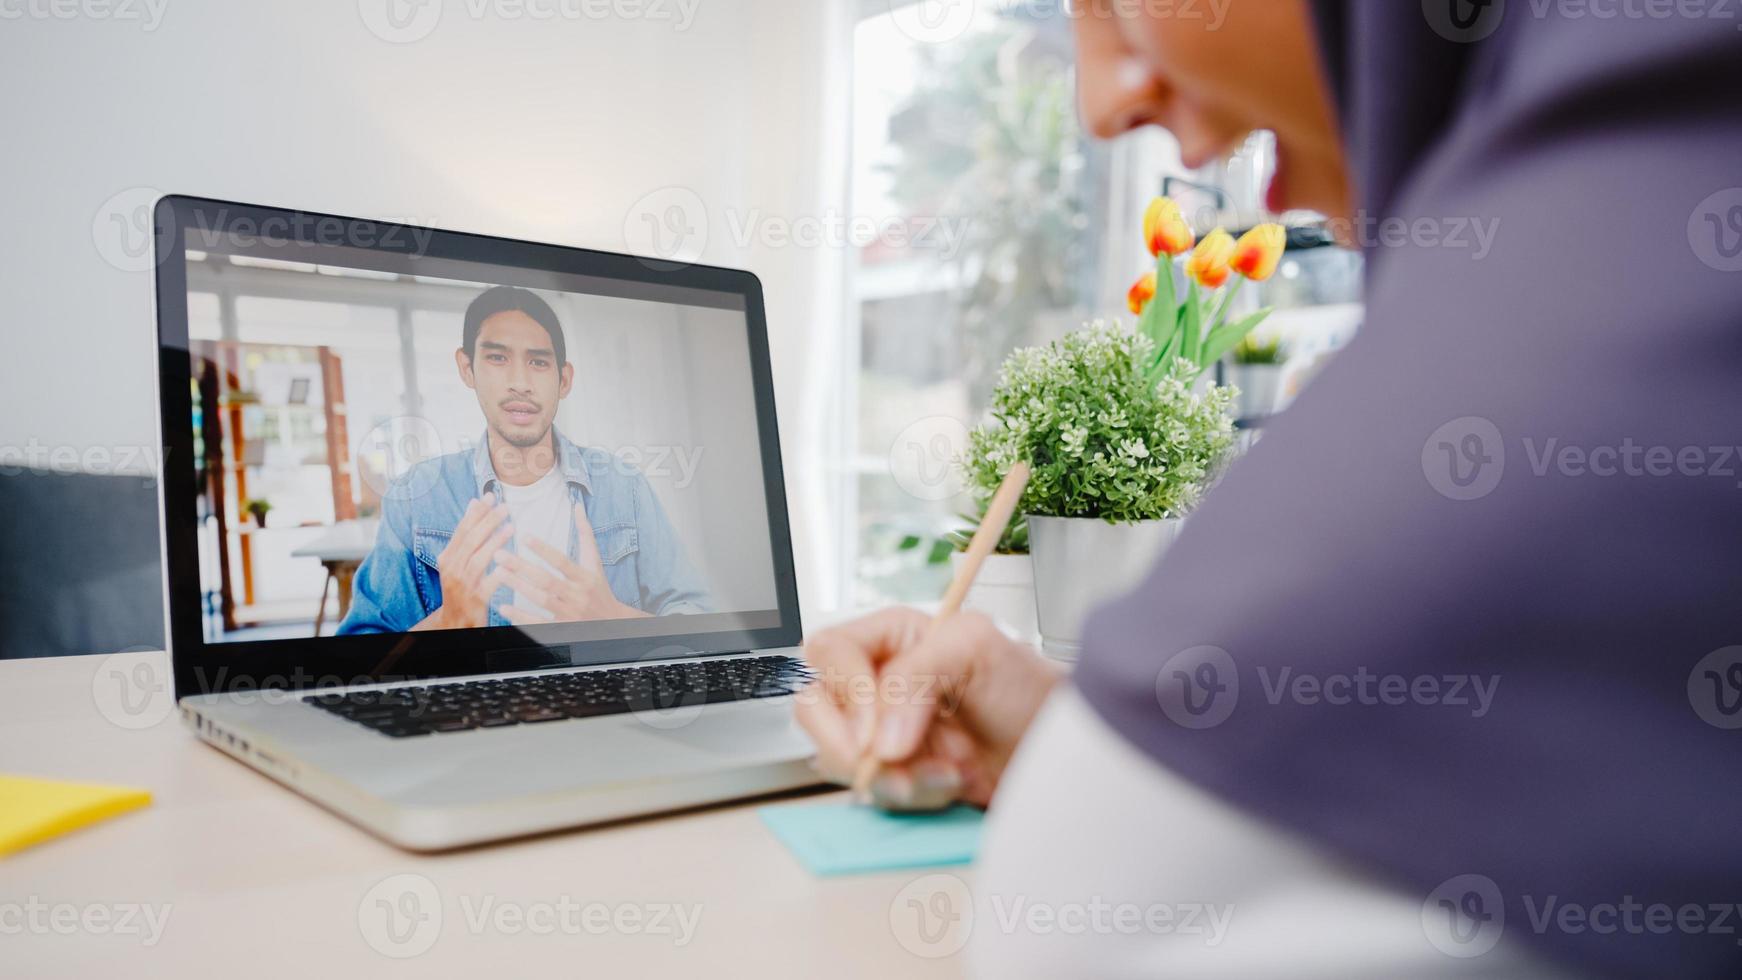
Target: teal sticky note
column 842, row 839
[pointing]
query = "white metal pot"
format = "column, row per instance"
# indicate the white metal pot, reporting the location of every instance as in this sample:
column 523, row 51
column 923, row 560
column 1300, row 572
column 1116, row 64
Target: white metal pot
column 1260, row 388
column 1004, row 591
column 1082, row 563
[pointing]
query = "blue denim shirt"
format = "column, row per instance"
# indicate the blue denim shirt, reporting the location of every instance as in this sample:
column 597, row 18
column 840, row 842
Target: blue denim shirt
column 398, row 584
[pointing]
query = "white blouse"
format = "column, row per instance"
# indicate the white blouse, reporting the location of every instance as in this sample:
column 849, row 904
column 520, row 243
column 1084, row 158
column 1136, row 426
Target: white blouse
column 1098, row 862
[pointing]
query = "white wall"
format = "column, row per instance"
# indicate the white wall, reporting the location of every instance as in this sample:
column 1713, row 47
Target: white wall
column 557, row 130
column 668, row 388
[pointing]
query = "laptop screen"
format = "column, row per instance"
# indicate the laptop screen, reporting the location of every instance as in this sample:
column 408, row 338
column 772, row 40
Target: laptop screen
column 400, row 441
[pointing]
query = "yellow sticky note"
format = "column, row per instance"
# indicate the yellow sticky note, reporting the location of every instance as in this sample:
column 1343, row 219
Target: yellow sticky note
column 35, row 810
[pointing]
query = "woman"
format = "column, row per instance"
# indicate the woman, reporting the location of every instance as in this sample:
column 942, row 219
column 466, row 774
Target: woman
column 1513, row 483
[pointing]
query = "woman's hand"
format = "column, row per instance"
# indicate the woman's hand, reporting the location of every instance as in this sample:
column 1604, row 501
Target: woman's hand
column 941, row 708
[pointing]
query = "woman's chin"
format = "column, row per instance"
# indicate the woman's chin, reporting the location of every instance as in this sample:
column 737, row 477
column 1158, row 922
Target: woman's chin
column 1307, row 184
column 1276, row 198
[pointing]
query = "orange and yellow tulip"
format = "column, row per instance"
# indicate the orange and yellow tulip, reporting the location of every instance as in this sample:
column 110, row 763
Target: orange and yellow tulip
column 1258, row 252
column 1165, row 229
column 1209, row 262
column 1142, row 291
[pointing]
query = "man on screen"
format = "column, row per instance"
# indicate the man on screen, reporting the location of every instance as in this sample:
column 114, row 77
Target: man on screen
column 526, row 527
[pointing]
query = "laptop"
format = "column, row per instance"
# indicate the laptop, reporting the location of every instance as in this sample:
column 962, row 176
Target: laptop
column 469, row 538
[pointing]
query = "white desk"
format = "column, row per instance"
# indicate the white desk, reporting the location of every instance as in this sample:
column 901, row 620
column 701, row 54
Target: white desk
column 257, row 881
column 340, row 551
column 349, row 540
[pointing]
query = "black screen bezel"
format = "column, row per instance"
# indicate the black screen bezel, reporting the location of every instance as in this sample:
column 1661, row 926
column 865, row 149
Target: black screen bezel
column 205, row 668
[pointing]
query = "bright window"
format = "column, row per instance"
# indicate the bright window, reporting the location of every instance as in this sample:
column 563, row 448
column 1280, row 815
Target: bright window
column 967, row 149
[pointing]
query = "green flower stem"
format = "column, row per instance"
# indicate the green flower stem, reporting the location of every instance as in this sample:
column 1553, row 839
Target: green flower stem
column 1222, row 311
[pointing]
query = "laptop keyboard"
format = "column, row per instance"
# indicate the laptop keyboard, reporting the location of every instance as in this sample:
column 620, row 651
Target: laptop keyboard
column 532, row 699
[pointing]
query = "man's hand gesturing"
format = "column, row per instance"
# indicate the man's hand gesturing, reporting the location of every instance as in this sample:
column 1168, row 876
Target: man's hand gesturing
column 464, row 565
column 577, row 592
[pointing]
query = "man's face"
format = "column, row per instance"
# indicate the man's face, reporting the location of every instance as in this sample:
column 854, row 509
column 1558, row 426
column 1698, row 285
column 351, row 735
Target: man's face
column 515, row 373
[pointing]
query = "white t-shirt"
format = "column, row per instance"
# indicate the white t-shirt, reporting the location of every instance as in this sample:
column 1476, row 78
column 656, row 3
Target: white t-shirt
column 543, row 512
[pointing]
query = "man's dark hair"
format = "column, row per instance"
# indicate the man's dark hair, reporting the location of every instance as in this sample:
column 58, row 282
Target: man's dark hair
column 501, row 299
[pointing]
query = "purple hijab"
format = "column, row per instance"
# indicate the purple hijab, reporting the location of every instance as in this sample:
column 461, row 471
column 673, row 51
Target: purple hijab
column 1468, row 614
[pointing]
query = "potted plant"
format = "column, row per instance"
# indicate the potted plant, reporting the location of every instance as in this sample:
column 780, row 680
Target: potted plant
column 1004, row 589
column 1196, row 328
column 1120, row 445
column 1256, row 368
column 259, row 508
column 1116, row 459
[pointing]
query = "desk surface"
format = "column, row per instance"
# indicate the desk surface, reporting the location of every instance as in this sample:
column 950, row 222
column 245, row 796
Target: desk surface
column 348, row 540
column 244, row 875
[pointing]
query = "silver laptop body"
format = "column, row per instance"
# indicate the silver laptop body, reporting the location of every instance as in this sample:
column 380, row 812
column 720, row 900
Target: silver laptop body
column 447, row 790
column 386, row 726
